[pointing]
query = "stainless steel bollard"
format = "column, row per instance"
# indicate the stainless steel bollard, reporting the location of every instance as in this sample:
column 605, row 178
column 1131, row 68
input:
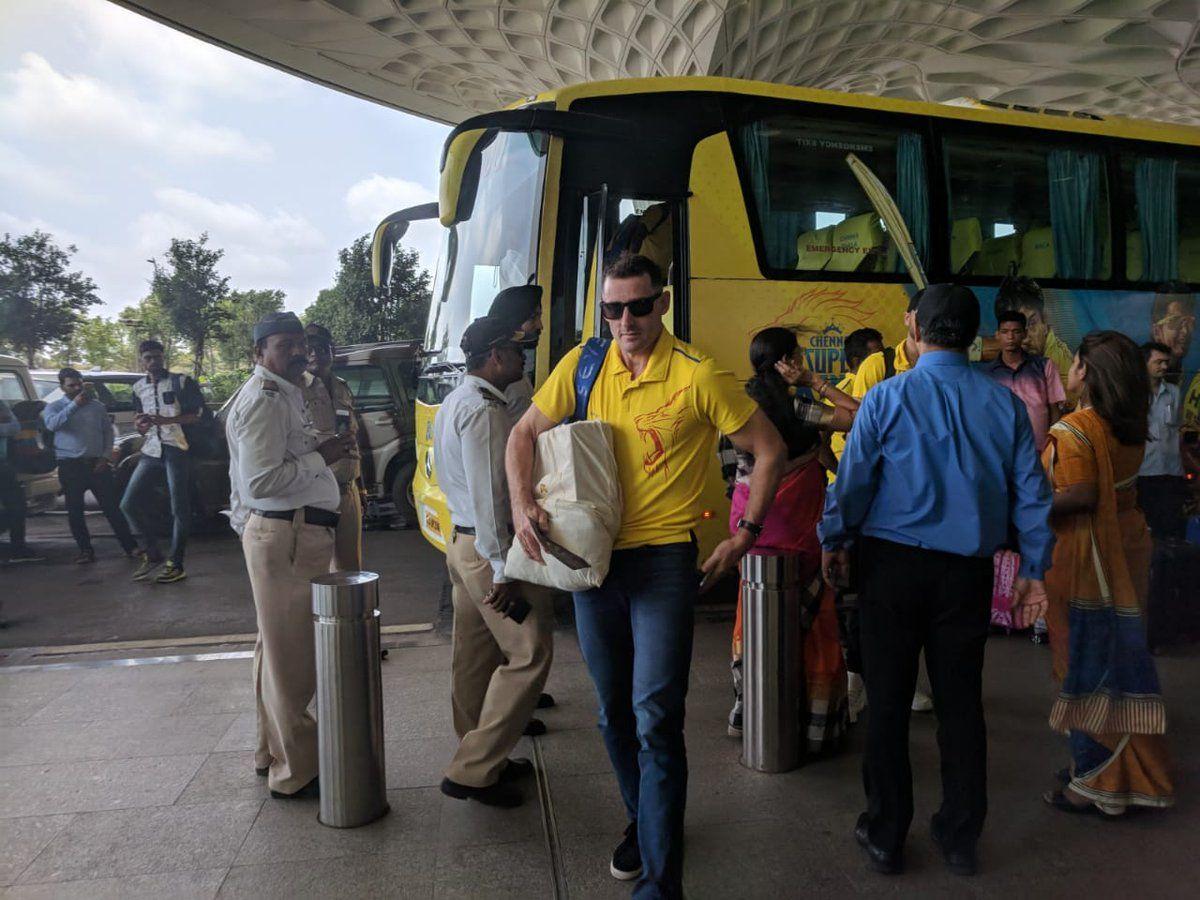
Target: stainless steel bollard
column 349, row 698
column 772, row 663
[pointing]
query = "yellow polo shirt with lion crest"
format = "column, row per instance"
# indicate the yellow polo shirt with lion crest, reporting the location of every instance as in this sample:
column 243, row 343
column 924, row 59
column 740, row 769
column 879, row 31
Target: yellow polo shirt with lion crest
column 665, row 428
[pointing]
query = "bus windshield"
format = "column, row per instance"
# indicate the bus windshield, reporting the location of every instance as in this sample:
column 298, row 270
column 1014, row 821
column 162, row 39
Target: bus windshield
column 496, row 247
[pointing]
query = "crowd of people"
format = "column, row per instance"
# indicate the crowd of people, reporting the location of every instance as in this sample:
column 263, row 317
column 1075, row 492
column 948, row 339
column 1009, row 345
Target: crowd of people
column 900, row 491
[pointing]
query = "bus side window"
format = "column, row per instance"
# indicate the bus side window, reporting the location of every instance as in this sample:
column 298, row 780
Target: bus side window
column 1162, row 220
column 1026, row 208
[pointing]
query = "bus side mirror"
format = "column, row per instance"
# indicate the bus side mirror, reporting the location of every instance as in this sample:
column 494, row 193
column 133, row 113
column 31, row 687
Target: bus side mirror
column 388, row 234
column 459, row 177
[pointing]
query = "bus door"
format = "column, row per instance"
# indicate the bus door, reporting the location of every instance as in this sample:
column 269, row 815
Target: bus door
column 611, row 224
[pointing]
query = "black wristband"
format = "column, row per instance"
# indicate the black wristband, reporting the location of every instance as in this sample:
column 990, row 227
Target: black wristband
column 753, row 527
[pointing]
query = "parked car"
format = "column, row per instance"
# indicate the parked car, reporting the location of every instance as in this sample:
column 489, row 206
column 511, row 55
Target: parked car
column 44, row 382
column 113, row 389
column 382, row 378
column 29, row 452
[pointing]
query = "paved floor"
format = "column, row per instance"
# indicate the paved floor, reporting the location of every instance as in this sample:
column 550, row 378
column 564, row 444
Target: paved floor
column 57, row 602
column 138, row 781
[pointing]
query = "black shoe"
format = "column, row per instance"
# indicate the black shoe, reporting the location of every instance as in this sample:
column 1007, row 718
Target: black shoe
column 626, row 862
column 881, row 860
column 516, row 770
column 85, row 557
column 501, row 794
column 23, row 553
column 959, row 860
column 545, row 701
column 310, row 791
column 535, row 728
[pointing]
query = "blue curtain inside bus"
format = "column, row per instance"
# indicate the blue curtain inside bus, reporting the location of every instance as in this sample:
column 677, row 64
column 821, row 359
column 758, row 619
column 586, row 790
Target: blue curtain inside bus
column 1074, row 212
column 779, row 229
column 1154, row 185
column 912, row 193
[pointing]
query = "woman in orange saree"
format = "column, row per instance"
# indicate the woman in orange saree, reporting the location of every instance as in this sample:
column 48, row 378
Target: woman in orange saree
column 1109, row 703
column 790, row 528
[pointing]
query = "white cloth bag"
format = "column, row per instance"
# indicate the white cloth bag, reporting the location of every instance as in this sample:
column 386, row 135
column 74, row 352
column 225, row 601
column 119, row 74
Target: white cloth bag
column 576, row 483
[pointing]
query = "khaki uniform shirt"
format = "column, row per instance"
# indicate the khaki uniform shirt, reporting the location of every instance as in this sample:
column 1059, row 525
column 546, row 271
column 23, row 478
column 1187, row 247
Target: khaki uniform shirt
column 322, row 409
column 273, row 458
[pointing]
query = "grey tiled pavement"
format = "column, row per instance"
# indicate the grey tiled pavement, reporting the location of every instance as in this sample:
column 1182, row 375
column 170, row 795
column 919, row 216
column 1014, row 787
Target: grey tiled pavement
column 139, row 782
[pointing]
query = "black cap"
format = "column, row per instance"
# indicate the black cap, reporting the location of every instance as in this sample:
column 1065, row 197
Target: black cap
column 277, row 323
column 949, row 311
column 313, row 330
column 516, row 305
column 485, row 333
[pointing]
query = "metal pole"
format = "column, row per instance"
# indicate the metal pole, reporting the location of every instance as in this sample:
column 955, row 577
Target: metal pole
column 772, row 662
column 349, row 698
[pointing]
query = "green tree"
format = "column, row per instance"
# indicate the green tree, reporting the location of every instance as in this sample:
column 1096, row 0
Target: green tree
column 102, row 344
column 148, row 320
column 356, row 313
column 235, row 344
column 192, row 293
column 41, row 301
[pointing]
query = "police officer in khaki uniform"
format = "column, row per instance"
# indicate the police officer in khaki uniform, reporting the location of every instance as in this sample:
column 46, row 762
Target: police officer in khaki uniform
column 503, row 637
column 331, row 406
column 284, row 502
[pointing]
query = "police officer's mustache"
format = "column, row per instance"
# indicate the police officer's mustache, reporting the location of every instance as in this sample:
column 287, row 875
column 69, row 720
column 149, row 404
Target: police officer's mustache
column 298, row 361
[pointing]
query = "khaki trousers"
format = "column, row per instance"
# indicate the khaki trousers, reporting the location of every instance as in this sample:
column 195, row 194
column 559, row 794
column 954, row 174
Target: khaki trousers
column 282, row 557
column 347, row 542
column 498, row 668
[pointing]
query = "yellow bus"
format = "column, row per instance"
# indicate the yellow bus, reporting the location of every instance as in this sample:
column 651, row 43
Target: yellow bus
column 741, row 191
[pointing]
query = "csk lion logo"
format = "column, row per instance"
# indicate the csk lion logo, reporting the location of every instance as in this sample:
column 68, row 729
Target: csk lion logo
column 657, row 430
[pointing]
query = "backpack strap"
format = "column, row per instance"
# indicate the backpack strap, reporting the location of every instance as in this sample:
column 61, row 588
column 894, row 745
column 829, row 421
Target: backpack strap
column 889, row 362
column 591, row 361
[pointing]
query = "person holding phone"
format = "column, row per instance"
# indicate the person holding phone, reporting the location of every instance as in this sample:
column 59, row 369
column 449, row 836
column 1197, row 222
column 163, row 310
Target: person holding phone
column 284, row 503
column 330, row 404
column 503, row 630
column 83, row 446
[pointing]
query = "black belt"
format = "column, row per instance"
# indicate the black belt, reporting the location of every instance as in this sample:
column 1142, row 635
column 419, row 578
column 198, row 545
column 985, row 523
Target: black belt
column 312, row 515
column 465, row 529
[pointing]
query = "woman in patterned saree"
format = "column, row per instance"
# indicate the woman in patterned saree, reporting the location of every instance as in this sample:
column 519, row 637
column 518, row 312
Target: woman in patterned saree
column 791, row 525
column 1109, row 703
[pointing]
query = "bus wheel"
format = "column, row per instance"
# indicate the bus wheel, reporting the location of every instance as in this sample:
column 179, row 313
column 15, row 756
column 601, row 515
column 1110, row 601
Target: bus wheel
column 403, row 497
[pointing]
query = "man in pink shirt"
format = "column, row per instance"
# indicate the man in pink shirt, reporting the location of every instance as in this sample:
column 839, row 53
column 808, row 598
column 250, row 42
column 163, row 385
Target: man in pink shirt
column 1035, row 379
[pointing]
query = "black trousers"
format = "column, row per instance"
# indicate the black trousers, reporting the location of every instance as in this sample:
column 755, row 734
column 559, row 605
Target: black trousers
column 1161, row 499
column 77, row 477
column 912, row 599
column 13, row 498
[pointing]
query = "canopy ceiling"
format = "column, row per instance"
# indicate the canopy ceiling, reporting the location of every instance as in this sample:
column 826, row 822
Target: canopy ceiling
column 447, row 59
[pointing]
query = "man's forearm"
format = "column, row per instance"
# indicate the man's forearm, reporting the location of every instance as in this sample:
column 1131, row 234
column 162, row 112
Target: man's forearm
column 764, row 481
column 518, row 464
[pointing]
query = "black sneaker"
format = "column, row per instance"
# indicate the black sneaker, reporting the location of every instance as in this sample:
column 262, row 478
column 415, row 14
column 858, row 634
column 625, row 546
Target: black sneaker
column 735, row 719
column 23, row 553
column 626, row 862
column 502, row 793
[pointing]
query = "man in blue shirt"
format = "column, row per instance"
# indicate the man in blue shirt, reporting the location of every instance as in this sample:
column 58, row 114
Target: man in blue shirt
column 939, row 466
column 83, row 443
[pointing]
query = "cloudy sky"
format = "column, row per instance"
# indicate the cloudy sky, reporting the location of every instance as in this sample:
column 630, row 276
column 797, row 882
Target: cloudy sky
column 117, row 134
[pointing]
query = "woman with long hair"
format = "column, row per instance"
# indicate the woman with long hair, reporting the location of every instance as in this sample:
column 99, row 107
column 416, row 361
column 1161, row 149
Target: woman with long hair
column 1109, row 703
column 791, row 526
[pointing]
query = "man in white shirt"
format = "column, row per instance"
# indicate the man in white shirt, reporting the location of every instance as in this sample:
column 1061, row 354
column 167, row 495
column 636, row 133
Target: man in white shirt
column 503, row 638
column 165, row 402
column 284, row 500
column 1161, row 486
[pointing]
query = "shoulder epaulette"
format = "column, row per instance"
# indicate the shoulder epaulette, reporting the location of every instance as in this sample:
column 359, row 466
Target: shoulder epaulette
column 490, row 397
column 270, row 386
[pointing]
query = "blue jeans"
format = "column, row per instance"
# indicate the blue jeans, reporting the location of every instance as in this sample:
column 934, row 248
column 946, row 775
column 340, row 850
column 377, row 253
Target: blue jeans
column 138, row 493
column 636, row 635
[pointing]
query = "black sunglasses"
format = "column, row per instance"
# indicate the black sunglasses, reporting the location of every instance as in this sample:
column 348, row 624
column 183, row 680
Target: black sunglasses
column 642, row 306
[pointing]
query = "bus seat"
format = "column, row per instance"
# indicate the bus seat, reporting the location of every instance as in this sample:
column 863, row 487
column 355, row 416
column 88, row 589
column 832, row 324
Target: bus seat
column 998, row 256
column 966, row 239
column 1189, row 258
column 1037, row 253
column 813, row 249
column 1133, row 255
column 857, row 242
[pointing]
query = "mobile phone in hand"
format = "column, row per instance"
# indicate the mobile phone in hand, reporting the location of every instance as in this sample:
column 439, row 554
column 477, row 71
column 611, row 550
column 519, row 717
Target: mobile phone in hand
column 518, row 609
column 342, row 419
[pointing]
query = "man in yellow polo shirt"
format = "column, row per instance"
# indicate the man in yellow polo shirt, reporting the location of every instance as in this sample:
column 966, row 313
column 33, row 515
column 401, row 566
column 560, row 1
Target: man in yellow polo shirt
column 666, row 403
column 891, row 360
